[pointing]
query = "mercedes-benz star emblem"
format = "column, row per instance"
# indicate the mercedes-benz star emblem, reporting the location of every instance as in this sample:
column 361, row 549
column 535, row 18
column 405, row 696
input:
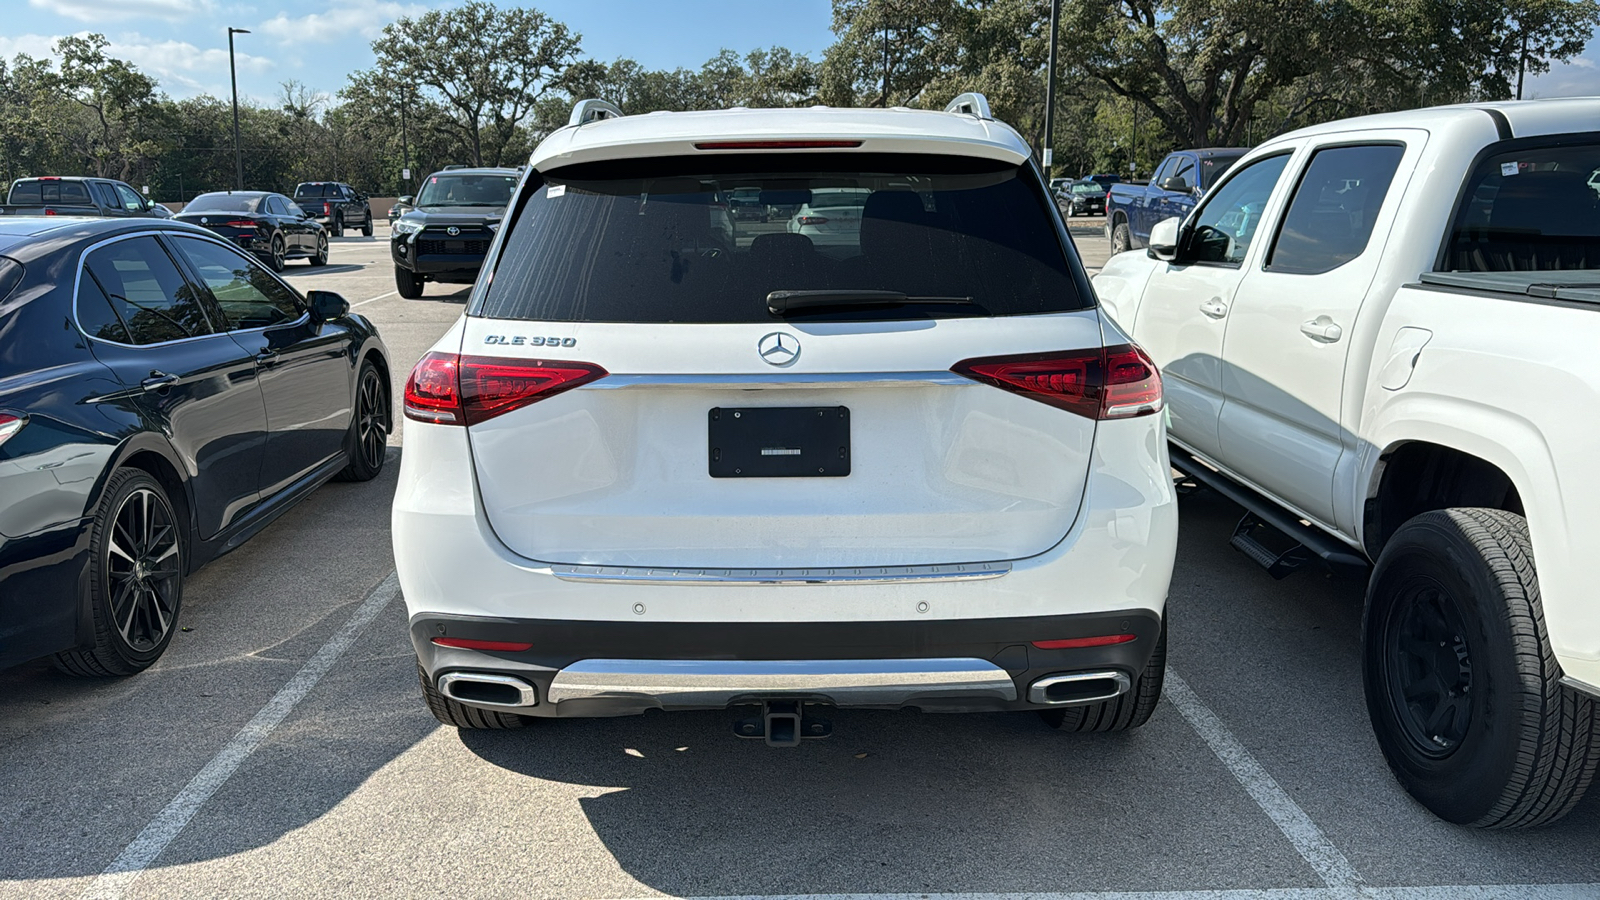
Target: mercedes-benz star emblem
column 452, row 231
column 779, row 349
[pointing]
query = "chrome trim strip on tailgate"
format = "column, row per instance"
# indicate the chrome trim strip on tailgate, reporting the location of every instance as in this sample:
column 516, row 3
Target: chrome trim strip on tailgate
column 718, row 683
column 778, row 379
column 842, row 575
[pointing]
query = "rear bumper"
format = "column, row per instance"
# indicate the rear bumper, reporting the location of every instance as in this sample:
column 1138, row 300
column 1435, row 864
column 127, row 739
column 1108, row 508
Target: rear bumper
column 584, row 668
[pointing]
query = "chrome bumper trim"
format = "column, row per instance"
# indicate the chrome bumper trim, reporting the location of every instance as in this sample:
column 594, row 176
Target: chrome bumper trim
column 784, row 379
column 716, row 684
column 844, row 575
column 526, row 694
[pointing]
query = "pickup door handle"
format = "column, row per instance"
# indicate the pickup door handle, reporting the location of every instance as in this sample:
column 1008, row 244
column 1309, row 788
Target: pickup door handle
column 1214, row 308
column 267, row 358
column 158, row 380
column 1322, row 330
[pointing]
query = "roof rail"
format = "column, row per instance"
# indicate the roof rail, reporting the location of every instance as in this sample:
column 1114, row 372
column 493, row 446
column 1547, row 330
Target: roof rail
column 970, row 104
column 593, row 111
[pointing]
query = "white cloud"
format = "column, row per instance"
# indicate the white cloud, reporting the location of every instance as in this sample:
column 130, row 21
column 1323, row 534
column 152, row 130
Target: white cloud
column 181, row 67
column 363, row 17
column 1577, row 77
column 104, row 10
column 35, row 45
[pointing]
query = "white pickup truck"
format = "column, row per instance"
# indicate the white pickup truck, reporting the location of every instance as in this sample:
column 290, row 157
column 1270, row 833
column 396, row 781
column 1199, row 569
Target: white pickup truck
column 1381, row 337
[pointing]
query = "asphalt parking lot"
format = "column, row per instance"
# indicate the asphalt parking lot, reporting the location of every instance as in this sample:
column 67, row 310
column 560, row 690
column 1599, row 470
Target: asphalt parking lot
column 281, row 748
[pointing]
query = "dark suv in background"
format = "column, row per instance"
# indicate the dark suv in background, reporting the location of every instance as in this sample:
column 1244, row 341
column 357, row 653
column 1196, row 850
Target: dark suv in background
column 336, row 205
column 446, row 235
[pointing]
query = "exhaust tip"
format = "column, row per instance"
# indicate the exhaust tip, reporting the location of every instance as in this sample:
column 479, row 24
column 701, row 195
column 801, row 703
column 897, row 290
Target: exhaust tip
column 484, row 689
column 1078, row 688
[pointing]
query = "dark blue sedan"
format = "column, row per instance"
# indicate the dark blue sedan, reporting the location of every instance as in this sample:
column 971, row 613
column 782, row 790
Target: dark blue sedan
column 163, row 396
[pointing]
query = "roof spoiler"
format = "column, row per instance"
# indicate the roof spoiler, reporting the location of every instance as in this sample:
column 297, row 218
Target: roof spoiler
column 970, row 104
column 593, row 111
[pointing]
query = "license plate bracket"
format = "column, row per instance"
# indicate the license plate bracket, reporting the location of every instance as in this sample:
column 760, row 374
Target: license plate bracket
column 779, row 442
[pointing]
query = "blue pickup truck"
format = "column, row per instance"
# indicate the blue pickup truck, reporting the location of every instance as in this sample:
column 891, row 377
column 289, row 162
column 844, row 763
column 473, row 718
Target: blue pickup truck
column 1180, row 180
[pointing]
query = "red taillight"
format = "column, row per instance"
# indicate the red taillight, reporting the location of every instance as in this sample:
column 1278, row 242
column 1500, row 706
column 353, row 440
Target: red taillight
column 327, row 208
column 241, row 223
column 48, row 211
column 467, row 644
column 776, row 145
column 464, row 390
column 10, row 424
column 1104, row 640
column 813, row 220
column 1111, row 383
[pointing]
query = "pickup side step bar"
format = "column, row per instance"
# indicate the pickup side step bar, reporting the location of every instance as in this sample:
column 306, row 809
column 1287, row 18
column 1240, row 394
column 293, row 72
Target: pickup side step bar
column 1247, row 537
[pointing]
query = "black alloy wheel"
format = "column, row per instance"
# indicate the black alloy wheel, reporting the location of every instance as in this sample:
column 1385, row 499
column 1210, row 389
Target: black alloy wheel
column 1428, row 667
column 136, row 578
column 275, row 253
column 366, row 227
column 369, row 427
column 320, row 258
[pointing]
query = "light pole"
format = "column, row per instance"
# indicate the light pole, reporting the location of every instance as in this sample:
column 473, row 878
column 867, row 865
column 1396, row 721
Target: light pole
column 233, row 76
column 1050, row 91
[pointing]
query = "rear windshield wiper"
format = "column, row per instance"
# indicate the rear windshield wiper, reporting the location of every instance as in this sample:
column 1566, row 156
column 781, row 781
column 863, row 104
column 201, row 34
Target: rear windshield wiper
column 781, row 303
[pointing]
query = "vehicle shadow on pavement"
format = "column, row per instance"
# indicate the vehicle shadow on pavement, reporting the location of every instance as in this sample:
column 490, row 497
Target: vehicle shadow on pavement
column 330, row 269
column 902, row 801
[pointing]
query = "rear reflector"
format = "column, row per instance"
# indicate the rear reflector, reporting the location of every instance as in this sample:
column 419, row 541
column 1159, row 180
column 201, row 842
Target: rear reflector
column 1117, row 382
column 1104, row 640
column 776, row 145
column 466, row 644
column 447, row 389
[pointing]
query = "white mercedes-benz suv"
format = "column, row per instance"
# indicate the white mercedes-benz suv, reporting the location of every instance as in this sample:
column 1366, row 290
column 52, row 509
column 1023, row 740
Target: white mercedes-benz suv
column 659, row 465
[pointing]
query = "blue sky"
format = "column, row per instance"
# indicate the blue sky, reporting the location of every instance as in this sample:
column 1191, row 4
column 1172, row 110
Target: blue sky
column 184, row 43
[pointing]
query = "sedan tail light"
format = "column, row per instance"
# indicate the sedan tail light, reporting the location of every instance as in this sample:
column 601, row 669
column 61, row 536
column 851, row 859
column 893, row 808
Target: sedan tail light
column 10, row 424
column 813, row 220
column 241, row 223
column 1117, row 382
column 448, row 389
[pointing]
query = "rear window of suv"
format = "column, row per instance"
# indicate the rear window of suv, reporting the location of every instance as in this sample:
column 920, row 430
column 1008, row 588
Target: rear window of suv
column 654, row 241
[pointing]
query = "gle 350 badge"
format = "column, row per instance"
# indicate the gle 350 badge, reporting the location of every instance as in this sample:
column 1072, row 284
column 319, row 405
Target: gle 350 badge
column 517, row 340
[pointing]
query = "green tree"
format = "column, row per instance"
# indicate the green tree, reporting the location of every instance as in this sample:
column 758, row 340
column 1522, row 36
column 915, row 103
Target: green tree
column 489, row 67
column 119, row 100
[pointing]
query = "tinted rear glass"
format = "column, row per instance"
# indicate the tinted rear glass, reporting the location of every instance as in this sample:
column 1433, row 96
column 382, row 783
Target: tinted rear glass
column 1214, row 167
column 224, row 203
column 653, row 245
column 1532, row 209
column 310, row 191
column 24, row 192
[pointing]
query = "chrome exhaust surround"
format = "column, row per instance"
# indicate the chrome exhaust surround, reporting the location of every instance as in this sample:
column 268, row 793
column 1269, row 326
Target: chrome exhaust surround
column 483, row 689
column 1079, row 688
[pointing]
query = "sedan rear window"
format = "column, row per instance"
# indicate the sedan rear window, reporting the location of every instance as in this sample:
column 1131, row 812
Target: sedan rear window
column 224, row 203
column 656, row 241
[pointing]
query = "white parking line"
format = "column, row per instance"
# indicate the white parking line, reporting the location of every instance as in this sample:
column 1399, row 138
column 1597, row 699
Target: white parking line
column 1427, row 892
column 115, row 880
column 1308, row 840
column 373, row 299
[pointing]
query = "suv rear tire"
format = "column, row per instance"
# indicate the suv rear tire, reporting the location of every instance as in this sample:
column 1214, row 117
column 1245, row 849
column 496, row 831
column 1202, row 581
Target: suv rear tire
column 408, row 283
column 1463, row 692
column 450, row 712
column 1124, row 713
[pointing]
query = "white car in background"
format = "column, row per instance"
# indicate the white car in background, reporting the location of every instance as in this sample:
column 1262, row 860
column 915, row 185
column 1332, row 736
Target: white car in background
column 831, row 217
column 1379, row 336
column 650, row 470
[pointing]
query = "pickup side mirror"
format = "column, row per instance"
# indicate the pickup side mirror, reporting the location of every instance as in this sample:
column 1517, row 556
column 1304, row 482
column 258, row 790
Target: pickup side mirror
column 327, row 306
column 406, row 199
column 1177, row 184
column 1163, row 244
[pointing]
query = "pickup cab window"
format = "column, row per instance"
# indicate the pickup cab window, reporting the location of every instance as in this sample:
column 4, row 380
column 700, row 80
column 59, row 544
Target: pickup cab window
column 1227, row 223
column 1532, row 209
column 1334, row 207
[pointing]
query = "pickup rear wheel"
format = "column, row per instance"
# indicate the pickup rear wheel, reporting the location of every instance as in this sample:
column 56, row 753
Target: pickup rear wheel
column 1125, row 713
column 1463, row 692
column 1121, row 240
column 408, row 283
column 338, row 226
column 366, row 227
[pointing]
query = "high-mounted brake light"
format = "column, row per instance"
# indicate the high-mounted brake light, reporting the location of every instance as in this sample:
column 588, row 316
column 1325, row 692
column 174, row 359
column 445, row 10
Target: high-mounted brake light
column 1104, row 640
column 776, row 145
column 1117, row 382
column 447, row 389
column 10, row 424
column 469, row 644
